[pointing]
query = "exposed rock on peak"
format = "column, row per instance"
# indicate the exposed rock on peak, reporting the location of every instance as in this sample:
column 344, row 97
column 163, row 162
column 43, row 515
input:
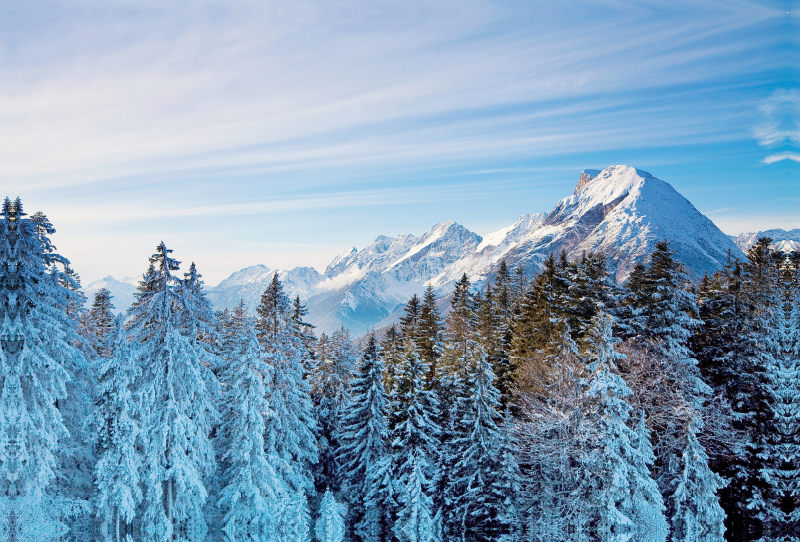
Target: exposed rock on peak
column 584, row 178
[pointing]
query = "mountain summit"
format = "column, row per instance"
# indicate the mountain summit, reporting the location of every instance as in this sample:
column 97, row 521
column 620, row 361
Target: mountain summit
column 620, row 211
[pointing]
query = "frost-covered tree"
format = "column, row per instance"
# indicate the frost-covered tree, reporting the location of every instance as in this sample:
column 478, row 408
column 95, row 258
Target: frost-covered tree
column 484, row 480
column 364, row 452
column 252, row 489
column 37, row 353
column 622, row 490
column 289, row 435
column 100, row 320
column 330, row 380
column 176, row 390
column 116, row 433
column 415, row 448
column 698, row 517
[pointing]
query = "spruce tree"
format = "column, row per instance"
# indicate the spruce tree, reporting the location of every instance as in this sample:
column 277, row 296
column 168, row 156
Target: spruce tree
column 415, row 450
column 101, row 322
column 116, row 434
column 330, row 380
column 289, row 435
column 622, row 490
column 484, row 480
column 429, row 334
column 698, row 516
column 37, row 345
column 251, row 488
column 364, row 452
column 176, row 392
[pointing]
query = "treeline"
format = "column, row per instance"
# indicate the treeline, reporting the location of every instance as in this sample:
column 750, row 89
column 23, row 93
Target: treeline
column 564, row 407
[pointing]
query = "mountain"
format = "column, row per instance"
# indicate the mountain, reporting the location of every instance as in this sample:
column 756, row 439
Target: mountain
column 122, row 291
column 622, row 212
column 785, row 241
column 619, row 211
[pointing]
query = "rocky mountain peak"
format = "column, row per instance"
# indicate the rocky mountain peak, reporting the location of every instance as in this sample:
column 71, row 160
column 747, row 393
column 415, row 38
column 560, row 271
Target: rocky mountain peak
column 584, row 178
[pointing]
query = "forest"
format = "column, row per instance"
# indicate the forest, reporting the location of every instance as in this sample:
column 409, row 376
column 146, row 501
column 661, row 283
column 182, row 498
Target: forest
column 556, row 407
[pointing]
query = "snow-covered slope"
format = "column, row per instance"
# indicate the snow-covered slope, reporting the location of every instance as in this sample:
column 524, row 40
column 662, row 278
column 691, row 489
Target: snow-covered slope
column 786, row 241
column 121, row 290
column 620, row 211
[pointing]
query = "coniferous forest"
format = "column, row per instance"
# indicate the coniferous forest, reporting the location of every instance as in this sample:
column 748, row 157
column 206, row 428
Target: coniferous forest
column 556, row 407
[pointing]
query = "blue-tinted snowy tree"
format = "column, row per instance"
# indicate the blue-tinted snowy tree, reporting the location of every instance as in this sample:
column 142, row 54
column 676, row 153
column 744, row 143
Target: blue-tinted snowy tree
column 177, row 392
column 364, row 453
column 115, row 433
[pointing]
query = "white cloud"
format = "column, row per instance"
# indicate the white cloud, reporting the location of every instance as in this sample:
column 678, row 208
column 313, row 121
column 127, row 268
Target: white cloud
column 771, row 159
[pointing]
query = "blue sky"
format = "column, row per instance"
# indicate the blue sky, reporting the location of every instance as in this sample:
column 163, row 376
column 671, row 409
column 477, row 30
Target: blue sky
column 244, row 132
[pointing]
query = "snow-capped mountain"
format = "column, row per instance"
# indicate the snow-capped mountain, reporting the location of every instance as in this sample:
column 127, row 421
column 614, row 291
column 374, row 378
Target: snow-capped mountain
column 622, row 212
column 619, row 211
column 122, row 291
column 785, row 241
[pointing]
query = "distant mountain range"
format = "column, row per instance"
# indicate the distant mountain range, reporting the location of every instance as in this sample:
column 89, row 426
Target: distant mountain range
column 619, row 211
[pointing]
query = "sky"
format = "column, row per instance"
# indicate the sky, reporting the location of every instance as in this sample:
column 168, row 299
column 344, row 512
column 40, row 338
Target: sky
column 275, row 132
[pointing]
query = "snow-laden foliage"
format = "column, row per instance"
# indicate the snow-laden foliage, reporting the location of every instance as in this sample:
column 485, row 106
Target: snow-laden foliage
column 116, row 433
column 415, row 447
column 289, row 435
column 621, row 487
column 252, row 490
column 177, row 394
column 364, row 451
column 560, row 408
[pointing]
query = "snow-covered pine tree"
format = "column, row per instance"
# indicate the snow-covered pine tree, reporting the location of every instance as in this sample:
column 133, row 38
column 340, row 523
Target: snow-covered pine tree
column 176, row 392
column 409, row 322
column 429, row 334
column 252, row 490
column 289, row 435
column 392, row 354
column 115, row 434
column 754, row 398
column 364, row 452
column 330, row 380
column 503, row 302
column 37, row 349
column 622, row 489
column 415, row 449
column 698, row 516
column 462, row 349
column 101, row 322
column 304, row 331
column 484, row 480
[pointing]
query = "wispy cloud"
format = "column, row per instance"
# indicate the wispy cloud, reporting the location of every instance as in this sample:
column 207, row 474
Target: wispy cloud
column 780, row 122
column 793, row 156
column 152, row 111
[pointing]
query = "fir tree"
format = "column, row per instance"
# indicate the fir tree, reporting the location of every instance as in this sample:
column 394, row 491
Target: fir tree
column 330, row 381
column 101, row 322
column 116, row 433
column 698, row 517
column 176, row 391
column 364, row 452
column 289, row 435
column 622, row 488
column 252, row 489
column 38, row 338
column 415, row 450
column 484, row 480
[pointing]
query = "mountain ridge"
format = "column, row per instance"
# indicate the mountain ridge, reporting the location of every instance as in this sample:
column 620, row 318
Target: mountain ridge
column 620, row 211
